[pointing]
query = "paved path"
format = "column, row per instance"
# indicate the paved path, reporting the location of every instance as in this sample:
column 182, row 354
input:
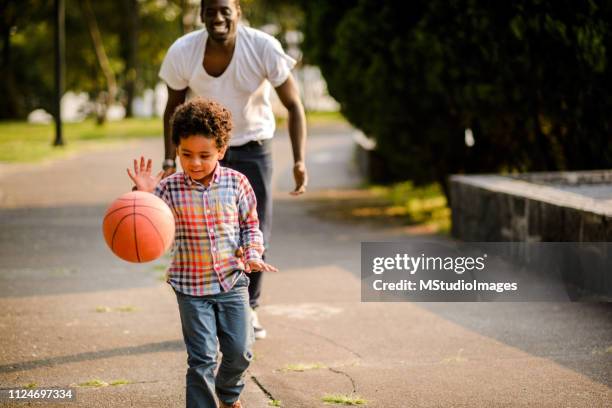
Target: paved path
column 70, row 312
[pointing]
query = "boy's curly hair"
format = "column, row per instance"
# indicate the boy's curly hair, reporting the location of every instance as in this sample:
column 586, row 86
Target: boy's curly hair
column 202, row 117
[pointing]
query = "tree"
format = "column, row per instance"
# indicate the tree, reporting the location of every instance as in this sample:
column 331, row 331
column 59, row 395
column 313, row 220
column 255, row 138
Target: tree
column 531, row 78
column 134, row 35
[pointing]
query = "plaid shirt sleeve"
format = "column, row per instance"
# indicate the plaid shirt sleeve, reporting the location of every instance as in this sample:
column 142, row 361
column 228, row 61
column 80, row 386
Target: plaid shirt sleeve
column 161, row 190
column 251, row 237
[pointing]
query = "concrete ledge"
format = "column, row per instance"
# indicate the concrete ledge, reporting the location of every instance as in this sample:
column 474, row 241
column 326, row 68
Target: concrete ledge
column 499, row 208
column 542, row 208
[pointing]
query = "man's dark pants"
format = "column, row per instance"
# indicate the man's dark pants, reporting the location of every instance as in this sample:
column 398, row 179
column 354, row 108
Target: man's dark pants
column 254, row 160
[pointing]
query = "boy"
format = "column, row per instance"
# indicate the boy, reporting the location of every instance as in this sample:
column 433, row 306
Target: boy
column 216, row 220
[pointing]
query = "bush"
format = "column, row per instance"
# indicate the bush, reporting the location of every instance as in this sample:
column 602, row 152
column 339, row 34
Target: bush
column 531, row 78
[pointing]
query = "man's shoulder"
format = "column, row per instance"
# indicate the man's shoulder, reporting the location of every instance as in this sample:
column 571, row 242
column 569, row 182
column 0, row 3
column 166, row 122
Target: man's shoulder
column 192, row 39
column 257, row 36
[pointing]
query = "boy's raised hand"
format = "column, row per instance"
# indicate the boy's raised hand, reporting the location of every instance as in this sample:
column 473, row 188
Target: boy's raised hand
column 142, row 177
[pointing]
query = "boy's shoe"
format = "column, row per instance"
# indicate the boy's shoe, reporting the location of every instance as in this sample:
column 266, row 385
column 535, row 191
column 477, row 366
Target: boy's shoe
column 260, row 332
column 236, row 404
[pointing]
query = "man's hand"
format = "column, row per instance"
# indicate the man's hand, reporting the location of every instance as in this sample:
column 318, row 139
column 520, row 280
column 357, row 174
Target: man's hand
column 301, row 178
column 168, row 172
column 142, row 177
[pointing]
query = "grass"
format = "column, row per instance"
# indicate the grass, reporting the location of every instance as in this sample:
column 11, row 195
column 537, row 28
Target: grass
column 123, row 309
column 341, row 399
column 302, row 367
column 30, row 385
column 423, row 205
column 315, row 118
column 126, row 309
column 27, row 142
column 119, row 382
column 22, row 142
column 418, row 210
column 94, row 383
column 274, row 403
column 324, row 117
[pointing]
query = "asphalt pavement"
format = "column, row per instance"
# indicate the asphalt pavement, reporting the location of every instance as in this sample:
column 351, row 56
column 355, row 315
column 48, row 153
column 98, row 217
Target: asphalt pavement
column 71, row 313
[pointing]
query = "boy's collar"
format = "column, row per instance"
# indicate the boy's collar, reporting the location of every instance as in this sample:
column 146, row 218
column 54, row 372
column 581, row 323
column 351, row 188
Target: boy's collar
column 215, row 179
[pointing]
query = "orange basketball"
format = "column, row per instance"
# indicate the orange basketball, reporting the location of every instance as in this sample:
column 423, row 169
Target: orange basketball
column 138, row 227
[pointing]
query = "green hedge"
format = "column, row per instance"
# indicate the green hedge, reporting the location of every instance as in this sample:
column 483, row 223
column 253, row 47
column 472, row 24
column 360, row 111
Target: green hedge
column 532, row 79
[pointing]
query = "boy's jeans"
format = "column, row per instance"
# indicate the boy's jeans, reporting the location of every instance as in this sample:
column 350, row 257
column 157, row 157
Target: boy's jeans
column 226, row 316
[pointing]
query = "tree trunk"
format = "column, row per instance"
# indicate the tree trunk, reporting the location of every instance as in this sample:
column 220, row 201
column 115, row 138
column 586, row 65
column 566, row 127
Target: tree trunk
column 130, row 51
column 96, row 39
column 9, row 104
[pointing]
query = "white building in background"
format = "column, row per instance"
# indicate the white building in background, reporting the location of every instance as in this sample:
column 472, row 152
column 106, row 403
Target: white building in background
column 75, row 108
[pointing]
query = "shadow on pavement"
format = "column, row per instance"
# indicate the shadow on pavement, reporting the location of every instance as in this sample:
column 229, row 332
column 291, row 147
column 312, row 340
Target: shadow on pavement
column 164, row 346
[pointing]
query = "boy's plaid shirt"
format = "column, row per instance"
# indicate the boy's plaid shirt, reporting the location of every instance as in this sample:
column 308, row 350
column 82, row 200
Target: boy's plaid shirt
column 211, row 223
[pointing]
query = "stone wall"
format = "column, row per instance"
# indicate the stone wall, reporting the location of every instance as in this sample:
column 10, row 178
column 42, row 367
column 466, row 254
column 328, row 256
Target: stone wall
column 543, row 207
column 496, row 208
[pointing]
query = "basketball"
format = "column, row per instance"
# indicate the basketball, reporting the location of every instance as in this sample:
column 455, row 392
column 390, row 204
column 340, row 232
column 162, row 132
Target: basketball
column 138, row 227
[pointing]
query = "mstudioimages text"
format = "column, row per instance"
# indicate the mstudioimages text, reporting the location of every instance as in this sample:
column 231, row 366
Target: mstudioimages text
column 422, row 263
column 436, row 285
column 413, row 264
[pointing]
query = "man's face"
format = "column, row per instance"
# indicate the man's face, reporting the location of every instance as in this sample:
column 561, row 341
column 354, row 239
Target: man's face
column 221, row 19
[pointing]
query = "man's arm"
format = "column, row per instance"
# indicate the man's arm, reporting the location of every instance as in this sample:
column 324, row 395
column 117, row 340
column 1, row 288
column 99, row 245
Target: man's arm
column 290, row 97
column 175, row 98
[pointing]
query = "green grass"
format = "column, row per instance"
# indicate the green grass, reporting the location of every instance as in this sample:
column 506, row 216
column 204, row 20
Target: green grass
column 274, row 403
column 26, row 142
column 30, row 385
column 343, row 399
column 322, row 117
column 302, row 367
column 94, row 383
column 122, row 309
column 424, row 205
column 126, row 309
column 315, row 118
column 119, row 382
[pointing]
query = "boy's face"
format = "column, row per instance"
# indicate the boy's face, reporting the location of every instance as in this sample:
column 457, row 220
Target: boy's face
column 199, row 156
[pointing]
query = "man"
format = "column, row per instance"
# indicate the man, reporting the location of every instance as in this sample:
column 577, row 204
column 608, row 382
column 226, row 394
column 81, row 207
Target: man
column 237, row 66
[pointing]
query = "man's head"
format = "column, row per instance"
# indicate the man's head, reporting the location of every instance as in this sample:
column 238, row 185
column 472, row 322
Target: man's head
column 221, row 18
column 201, row 131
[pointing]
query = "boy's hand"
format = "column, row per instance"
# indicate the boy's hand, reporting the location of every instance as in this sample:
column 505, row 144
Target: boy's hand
column 254, row 266
column 259, row 266
column 142, row 177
